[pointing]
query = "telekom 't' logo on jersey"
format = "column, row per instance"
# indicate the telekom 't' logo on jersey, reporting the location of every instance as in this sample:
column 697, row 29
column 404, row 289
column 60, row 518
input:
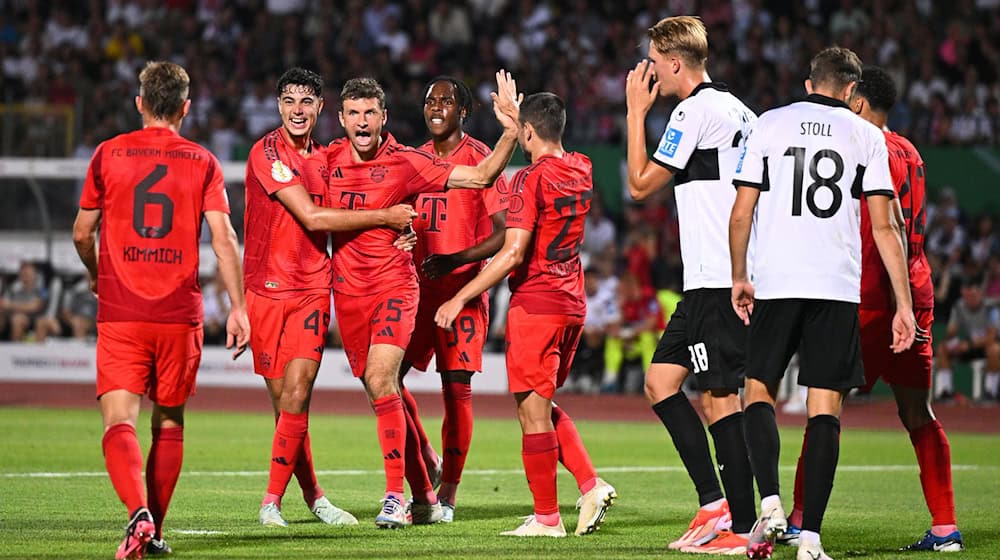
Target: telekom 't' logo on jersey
column 352, row 200
column 433, row 210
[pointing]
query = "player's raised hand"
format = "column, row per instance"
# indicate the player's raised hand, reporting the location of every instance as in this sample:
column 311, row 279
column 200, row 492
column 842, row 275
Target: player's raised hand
column 445, row 316
column 238, row 331
column 507, row 101
column 641, row 88
column 399, row 216
column 904, row 329
column 406, row 240
column 438, row 265
column 743, row 300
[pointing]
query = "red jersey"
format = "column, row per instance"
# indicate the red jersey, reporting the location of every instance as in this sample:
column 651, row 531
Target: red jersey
column 909, row 180
column 366, row 260
column 551, row 198
column 457, row 219
column 152, row 187
column 281, row 258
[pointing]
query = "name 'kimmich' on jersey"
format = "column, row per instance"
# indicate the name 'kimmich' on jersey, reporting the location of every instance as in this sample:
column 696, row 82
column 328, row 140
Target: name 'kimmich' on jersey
column 701, row 147
column 812, row 161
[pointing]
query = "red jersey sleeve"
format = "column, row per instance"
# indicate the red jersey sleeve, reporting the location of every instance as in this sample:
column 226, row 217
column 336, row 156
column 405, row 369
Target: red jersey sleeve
column 496, row 198
column 214, row 197
column 522, row 211
column 425, row 171
column 272, row 173
column 92, row 197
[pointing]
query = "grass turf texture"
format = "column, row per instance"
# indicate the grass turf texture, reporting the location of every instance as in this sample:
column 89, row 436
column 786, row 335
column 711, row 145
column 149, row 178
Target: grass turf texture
column 876, row 504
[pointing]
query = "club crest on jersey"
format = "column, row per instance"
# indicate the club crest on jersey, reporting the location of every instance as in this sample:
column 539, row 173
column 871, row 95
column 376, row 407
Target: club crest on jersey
column 516, row 203
column 671, row 140
column 280, row 172
column 378, row 173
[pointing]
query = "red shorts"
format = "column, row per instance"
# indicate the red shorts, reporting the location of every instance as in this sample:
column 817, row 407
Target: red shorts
column 911, row 368
column 540, row 350
column 459, row 349
column 156, row 359
column 282, row 330
column 380, row 318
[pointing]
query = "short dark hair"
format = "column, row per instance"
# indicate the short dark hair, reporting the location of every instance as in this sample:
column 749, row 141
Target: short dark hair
column 301, row 77
column 362, row 88
column 547, row 113
column 462, row 92
column 835, row 66
column 877, row 87
column 163, row 87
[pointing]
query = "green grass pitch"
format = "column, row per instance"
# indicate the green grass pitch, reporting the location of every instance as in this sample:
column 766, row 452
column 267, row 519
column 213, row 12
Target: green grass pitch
column 876, row 504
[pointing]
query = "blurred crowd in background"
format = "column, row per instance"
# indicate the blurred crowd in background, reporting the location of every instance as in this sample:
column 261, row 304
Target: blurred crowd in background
column 85, row 55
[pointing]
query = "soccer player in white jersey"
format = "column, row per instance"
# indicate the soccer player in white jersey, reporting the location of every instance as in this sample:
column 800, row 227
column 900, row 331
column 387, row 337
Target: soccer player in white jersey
column 699, row 151
column 799, row 182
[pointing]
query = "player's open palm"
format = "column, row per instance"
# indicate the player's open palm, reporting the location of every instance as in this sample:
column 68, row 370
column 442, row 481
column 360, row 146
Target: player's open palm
column 641, row 88
column 400, row 216
column 904, row 329
column 743, row 300
column 445, row 316
column 237, row 331
column 506, row 101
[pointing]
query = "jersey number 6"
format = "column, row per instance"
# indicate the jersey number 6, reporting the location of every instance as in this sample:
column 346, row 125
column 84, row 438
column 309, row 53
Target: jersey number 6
column 143, row 198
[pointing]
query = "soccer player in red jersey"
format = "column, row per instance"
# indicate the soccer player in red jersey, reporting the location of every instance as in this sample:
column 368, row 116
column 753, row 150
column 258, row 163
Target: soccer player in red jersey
column 147, row 192
column 908, row 374
column 456, row 230
column 548, row 203
column 375, row 286
column 287, row 280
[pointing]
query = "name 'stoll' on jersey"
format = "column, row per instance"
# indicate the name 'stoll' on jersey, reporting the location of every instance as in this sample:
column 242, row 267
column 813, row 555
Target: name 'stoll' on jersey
column 701, row 146
column 281, row 258
column 551, row 198
column 909, row 181
column 812, row 161
column 152, row 187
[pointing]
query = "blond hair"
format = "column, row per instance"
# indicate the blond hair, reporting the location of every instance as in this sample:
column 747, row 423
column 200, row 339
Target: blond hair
column 682, row 35
column 163, row 87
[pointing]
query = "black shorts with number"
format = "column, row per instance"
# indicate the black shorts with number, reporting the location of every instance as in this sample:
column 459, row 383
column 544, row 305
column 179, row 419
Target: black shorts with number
column 707, row 337
column 825, row 333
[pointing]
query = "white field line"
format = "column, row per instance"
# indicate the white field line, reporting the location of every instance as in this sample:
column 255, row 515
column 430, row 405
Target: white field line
column 484, row 472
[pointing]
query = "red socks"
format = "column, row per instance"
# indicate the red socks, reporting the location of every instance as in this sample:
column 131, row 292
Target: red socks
column 286, row 448
column 934, row 457
column 456, row 432
column 390, row 421
column 423, row 442
column 540, row 453
column 572, row 454
column 123, row 460
column 416, row 469
column 305, row 473
column 163, row 467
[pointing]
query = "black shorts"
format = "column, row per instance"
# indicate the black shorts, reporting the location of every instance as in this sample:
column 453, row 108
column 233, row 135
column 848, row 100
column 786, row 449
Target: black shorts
column 707, row 337
column 825, row 333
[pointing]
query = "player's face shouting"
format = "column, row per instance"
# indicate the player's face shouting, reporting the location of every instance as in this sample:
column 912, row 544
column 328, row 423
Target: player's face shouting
column 363, row 120
column 441, row 112
column 299, row 107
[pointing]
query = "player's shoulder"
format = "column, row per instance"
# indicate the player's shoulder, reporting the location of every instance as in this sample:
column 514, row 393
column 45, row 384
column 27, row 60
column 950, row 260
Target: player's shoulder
column 477, row 146
column 900, row 143
column 267, row 146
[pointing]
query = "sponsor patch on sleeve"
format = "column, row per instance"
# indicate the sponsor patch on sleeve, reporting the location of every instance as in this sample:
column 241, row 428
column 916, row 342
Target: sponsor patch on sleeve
column 672, row 139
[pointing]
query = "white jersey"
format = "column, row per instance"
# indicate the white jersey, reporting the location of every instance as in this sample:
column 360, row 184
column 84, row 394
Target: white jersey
column 812, row 160
column 701, row 147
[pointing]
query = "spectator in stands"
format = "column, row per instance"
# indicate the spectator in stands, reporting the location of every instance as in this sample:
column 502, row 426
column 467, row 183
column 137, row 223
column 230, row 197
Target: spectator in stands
column 23, row 301
column 634, row 338
column 602, row 313
column 77, row 314
column 991, row 288
column 950, row 237
column 984, row 241
column 599, row 230
column 972, row 335
column 216, row 305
